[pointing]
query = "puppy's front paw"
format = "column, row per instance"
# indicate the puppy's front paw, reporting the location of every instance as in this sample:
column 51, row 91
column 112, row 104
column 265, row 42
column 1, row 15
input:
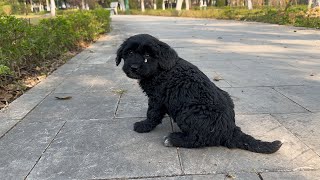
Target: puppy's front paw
column 143, row 126
column 167, row 142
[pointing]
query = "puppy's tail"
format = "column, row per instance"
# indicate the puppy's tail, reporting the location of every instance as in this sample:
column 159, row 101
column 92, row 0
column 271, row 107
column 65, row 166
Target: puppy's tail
column 247, row 142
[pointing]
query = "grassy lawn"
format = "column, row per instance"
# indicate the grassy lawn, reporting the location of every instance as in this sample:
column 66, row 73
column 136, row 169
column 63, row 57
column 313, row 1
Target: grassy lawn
column 294, row 15
column 33, row 18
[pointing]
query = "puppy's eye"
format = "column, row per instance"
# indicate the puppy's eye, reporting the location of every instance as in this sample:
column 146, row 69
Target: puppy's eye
column 130, row 52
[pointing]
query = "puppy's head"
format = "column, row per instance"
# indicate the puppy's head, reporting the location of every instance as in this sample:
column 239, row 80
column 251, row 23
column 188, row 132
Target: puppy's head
column 145, row 56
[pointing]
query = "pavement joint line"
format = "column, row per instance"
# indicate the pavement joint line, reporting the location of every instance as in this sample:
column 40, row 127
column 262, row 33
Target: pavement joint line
column 260, row 176
column 18, row 121
column 249, row 114
column 183, row 47
column 205, row 174
column 45, row 150
column 270, row 86
column 124, row 117
column 117, row 106
column 49, row 93
column 290, row 99
column 264, row 113
column 295, row 136
column 180, row 161
column 178, row 152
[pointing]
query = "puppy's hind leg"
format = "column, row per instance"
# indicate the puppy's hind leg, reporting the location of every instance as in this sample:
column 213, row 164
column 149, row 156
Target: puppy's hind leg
column 180, row 139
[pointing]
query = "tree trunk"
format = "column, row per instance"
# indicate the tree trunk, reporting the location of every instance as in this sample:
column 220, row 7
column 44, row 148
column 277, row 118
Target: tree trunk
column 40, row 6
column 26, row 7
column 122, row 6
column 188, row 4
column 154, row 4
column 163, row 5
column 249, row 4
column 83, row 5
column 87, row 5
column 142, row 5
column 309, row 4
column 179, row 5
column 53, row 8
column 47, row 5
column 31, row 5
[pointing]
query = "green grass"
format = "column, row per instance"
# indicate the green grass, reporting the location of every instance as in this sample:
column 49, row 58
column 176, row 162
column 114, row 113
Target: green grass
column 295, row 15
column 33, row 18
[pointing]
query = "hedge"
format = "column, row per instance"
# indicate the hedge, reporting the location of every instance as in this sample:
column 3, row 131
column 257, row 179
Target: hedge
column 26, row 46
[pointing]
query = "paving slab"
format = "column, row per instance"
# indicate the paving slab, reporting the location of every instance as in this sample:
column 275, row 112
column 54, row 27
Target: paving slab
column 19, row 108
column 306, row 96
column 249, row 100
column 293, row 154
column 266, row 68
column 21, row 147
column 6, row 124
column 51, row 82
column 82, row 57
column 298, row 175
column 101, row 149
column 303, row 125
column 89, row 78
column 133, row 103
column 89, row 105
column 255, row 100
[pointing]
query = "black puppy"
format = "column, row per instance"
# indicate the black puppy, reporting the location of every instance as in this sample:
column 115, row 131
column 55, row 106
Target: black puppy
column 203, row 112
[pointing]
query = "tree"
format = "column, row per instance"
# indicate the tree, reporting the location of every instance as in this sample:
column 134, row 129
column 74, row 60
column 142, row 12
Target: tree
column 313, row 3
column 154, row 4
column 142, row 5
column 179, row 5
column 249, row 4
column 52, row 8
column 188, row 2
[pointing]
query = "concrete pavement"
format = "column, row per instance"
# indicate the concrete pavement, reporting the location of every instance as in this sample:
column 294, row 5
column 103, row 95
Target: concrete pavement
column 272, row 73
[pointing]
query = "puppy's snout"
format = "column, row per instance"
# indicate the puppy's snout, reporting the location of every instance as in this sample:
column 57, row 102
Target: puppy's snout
column 134, row 67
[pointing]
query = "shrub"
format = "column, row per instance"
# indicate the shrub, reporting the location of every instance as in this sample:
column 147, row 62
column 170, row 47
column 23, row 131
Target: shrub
column 103, row 17
column 25, row 46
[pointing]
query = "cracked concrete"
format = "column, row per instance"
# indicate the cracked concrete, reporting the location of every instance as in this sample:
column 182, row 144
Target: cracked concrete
column 271, row 72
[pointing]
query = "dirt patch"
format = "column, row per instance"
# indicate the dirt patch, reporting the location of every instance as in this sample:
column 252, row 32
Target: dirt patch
column 13, row 87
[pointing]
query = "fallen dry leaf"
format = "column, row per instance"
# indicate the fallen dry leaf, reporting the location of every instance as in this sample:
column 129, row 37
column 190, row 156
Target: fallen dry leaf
column 230, row 176
column 63, row 98
column 2, row 105
column 217, row 78
column 119, row 91
column 5, row 96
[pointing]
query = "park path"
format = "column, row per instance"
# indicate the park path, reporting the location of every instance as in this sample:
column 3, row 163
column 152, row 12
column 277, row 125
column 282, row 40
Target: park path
column 272, row 72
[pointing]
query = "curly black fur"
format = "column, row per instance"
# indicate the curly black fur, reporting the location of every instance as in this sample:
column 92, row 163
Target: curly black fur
column 203, row 112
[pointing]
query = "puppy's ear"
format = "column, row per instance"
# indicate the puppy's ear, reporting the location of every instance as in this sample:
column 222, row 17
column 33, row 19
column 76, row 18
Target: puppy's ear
column 167, row 56
column 119, row 54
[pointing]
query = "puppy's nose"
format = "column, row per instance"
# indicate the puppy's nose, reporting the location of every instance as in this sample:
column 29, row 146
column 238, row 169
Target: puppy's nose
column 134, row 67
